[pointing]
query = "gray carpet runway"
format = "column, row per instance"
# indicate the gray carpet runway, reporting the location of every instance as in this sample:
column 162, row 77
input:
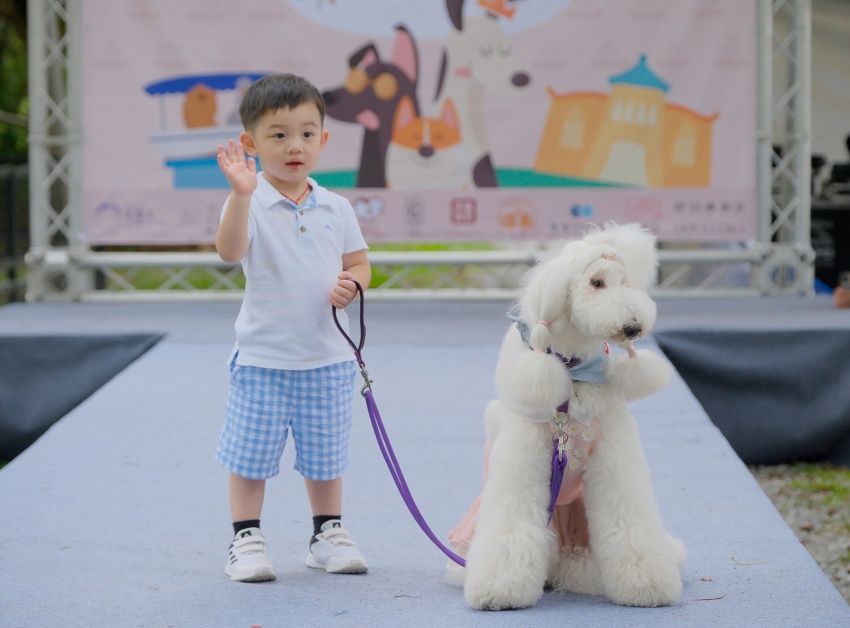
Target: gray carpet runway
column 118, row 515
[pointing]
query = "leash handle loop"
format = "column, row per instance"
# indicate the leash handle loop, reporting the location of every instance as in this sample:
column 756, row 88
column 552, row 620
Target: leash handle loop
column 357, row 348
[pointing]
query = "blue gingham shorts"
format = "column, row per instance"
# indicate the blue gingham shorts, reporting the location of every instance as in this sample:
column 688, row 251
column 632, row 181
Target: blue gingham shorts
column 264, row 404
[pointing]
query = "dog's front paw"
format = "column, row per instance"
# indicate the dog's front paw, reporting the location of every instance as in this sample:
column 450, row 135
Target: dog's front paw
column 647, row 581
column 507, row 568
column 506, row 578
column 639, row 376
column 485, row 597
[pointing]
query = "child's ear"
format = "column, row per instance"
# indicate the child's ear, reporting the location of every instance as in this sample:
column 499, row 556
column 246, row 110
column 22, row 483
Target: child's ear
column 248, row 143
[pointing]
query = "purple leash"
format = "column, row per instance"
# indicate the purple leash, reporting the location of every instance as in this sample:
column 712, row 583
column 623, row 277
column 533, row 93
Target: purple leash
column 559, row 457
column 381, row 433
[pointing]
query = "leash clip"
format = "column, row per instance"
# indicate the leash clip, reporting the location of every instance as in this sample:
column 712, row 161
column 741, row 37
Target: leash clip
column 558, row 427
column 367, row 383
column 562, row 447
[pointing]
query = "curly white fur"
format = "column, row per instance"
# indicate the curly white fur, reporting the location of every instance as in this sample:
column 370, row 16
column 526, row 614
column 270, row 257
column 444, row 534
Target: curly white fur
column 594, row 291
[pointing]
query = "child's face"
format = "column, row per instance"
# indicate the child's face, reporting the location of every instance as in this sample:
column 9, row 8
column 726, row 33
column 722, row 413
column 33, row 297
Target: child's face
column 288, row 143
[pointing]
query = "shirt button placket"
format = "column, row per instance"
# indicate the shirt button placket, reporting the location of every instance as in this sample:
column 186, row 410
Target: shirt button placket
column 302, row 228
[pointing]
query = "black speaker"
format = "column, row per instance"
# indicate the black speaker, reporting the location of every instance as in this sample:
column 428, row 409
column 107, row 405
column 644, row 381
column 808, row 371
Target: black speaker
column 831, row 240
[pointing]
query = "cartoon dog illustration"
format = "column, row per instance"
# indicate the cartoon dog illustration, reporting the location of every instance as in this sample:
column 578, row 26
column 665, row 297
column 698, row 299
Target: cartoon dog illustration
column 426, row 152
column 478, row 58
column 370, row 97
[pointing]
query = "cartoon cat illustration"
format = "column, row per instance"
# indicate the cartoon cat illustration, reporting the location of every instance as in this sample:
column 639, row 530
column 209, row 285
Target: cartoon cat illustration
column 426, row 153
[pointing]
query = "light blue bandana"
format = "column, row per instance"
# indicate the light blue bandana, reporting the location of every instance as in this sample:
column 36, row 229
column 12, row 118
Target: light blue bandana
column 592, row 370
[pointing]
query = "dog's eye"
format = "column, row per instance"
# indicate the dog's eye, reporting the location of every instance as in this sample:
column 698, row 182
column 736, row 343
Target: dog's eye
column 596, row 282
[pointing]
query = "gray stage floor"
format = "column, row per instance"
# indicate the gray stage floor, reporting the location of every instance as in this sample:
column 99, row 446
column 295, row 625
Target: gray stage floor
column 118, row 515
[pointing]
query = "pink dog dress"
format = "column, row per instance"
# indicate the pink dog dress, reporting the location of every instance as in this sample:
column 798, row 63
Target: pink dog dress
column 579, row 448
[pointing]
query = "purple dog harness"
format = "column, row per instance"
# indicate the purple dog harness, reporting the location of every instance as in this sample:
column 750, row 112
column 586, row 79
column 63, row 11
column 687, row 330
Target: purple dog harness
column 590, row 370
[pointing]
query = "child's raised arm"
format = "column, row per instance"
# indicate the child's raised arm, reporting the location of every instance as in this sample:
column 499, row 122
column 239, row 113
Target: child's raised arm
column 231, row 241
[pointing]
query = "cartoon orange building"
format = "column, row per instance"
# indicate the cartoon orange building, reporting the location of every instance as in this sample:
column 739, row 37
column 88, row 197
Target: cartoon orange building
column 631, row 136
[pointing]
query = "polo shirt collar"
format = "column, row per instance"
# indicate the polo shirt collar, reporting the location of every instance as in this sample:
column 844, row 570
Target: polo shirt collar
column 268, row 197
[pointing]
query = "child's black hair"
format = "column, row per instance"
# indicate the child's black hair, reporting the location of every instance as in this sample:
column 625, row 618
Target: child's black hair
column 277, row 91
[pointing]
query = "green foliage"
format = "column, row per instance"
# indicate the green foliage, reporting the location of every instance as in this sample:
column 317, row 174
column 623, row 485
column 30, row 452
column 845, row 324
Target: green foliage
column 434, row 246
column 155, row 278
column 826, row 483
column 13, row 92
column 422, row 276
column 199, row 279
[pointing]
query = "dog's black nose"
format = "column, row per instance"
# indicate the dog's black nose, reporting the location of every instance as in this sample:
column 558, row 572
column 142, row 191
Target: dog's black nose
column 632, row 330
column 520, row 79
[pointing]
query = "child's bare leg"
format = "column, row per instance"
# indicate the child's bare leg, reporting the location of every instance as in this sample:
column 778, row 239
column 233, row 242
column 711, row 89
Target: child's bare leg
column 325, row 496
column 246, row 497
column 247, row 560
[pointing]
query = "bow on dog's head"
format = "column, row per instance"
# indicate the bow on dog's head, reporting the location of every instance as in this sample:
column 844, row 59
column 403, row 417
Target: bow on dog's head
column 595, row 290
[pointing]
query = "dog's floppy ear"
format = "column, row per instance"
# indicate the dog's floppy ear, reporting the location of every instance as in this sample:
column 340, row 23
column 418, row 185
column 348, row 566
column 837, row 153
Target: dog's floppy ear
column 545, row 299
column 635, row 247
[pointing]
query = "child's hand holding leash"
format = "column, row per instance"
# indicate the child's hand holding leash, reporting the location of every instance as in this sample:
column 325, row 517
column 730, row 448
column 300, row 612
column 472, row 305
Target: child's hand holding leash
column 344, row 292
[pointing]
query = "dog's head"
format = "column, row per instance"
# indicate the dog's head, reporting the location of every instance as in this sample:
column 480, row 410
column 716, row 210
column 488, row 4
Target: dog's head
column 480, row 49
column 595, row 290
column 374, row 87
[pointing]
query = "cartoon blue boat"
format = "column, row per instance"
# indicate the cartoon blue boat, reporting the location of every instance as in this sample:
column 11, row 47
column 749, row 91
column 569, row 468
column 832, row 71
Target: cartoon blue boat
column 189, row 144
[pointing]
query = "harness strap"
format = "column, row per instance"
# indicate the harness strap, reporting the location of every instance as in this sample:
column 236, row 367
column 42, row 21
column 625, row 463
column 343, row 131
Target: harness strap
column 559, row 459
column 384, row 440
column 559, row 465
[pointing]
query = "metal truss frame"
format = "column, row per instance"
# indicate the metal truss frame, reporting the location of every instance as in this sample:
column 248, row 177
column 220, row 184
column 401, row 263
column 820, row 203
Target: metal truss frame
column 61, row 267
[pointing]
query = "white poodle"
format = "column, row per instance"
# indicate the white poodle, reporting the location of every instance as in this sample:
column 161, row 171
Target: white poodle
column 562, row 397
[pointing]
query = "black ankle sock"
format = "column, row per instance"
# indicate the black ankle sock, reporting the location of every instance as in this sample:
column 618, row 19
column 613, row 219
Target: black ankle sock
column 320, row 520
column 238, row 526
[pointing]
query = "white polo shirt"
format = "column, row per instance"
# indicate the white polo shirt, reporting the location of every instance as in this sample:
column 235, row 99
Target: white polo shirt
column 291, row 266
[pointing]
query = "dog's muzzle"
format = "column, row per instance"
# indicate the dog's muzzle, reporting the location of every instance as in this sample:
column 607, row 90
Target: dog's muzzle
column 632, row 331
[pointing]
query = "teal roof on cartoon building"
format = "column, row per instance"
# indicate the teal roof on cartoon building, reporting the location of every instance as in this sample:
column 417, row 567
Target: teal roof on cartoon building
column 641, row 76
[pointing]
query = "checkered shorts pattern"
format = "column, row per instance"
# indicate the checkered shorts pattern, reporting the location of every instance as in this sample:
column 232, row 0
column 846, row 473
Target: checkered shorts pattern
column 264, row 404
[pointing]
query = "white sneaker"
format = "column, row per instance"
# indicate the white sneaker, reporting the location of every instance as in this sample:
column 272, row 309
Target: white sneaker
column 247, row 560
column 334, row 551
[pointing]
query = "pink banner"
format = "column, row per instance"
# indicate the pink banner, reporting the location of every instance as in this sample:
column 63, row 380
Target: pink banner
column 449, row 120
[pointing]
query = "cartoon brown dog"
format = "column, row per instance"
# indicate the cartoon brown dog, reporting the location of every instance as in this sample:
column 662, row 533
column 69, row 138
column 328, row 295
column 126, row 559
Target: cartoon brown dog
column 370, row 97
